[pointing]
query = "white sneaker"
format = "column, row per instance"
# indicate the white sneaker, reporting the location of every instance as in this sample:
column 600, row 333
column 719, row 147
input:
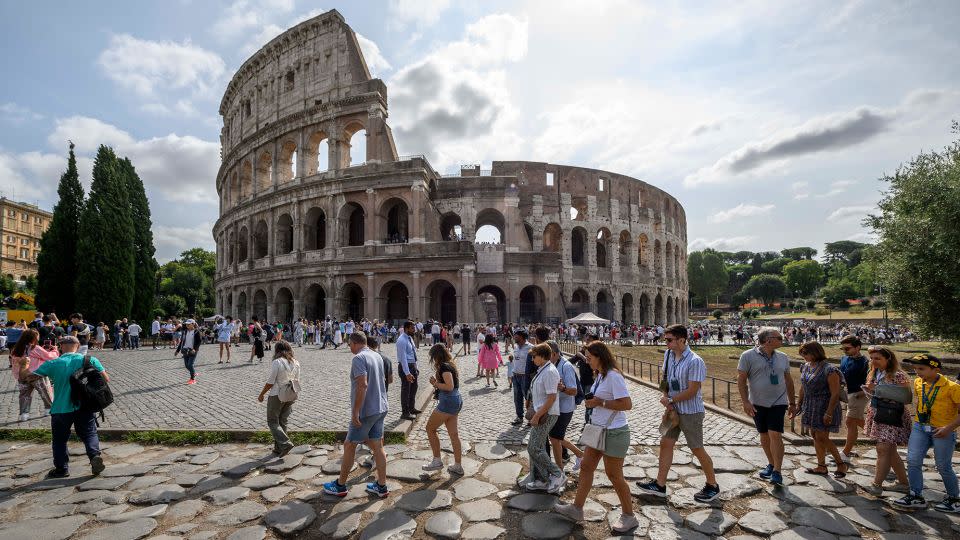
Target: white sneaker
column 525, row 480
column 569, row 511
column 576, row 464
column 434, row 465
column 625, row 523
column 456, row 468
column 537, row 485
column 24, row 417
column 557, row 483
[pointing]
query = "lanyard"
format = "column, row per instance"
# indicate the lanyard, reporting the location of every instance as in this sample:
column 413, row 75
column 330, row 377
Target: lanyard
column 676, row 363
column 934, row 390
column 769, row 360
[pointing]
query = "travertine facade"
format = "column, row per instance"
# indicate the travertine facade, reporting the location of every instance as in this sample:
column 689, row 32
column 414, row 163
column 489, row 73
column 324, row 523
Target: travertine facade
column 21, row 227
column 305, row 230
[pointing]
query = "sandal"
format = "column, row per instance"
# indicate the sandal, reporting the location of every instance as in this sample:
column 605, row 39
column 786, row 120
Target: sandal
column 841, row 473
column 819, row 470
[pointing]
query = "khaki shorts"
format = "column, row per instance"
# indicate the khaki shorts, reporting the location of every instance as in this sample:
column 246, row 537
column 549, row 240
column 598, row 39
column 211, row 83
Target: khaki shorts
column 691, row 425
column 857, row 405
column 617, row 442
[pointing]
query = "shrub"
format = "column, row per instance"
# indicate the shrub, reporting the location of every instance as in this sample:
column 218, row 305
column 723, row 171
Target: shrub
column 811, row 303
column 747, row 313
column 718, row 314
column 879, row 303
column 857, row 309
column 822, row 311
column 865, row 302
column 756, row 313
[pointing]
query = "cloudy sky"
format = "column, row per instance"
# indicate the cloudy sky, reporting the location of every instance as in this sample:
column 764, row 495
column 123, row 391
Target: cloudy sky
column 770, row 121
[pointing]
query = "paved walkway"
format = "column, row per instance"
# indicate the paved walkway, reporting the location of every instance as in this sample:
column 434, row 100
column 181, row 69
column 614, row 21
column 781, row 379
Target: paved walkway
column 238, row 492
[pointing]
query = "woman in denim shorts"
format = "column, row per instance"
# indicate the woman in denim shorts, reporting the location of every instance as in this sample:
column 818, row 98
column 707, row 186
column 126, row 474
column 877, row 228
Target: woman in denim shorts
column 446, row 381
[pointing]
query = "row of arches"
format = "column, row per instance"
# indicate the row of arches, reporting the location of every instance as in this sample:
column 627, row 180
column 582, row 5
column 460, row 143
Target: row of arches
column 667, row 260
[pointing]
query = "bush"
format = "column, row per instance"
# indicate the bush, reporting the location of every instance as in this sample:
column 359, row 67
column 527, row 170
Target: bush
column 756, row 313
column 857, row 309
column 747, row 313
column 718, row 314
column 879, row 303
column 822, row 311
column 865, row 302
column 811, row 303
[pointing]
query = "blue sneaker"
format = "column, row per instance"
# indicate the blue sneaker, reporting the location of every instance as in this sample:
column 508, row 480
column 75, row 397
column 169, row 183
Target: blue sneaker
column 335, row 488
column 776, row 478
column 766, row 472
column 377, row 489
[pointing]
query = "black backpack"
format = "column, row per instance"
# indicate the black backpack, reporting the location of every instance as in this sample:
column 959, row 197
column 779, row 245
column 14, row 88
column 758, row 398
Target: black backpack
column 89, row 390
column 580, row 395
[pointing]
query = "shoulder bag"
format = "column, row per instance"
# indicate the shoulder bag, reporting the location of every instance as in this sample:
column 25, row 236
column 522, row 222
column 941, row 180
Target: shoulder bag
column 290, row 390
column 593, row 435
column 664, row 385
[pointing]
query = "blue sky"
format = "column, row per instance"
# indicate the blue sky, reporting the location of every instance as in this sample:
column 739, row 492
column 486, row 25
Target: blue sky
column 770, row 121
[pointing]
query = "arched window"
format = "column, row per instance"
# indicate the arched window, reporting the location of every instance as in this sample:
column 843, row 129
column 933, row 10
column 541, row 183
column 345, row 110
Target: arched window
column 552, row 238
column 260, row 240
column 284, row 234
column 578, row 245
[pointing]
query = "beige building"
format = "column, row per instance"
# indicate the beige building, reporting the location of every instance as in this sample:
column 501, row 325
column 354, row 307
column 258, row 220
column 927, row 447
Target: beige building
column 22, row 226
column 310, row 226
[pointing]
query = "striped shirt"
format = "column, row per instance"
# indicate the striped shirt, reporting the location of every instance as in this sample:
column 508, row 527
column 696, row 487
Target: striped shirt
column 689, row 368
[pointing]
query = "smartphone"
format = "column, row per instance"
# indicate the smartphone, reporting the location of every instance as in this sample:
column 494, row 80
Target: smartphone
column 47, row 344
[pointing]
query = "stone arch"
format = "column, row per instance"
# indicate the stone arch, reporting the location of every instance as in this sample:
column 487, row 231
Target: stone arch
column 351, row 301
column 626, row 308
column 657, row 259
column 317, row 153
column 677, row 261
column 579, row 303
column 284, row 234
column 260, row 305
column 287, row 162
column 553, row 238
column 604, row 304
column 528, row 237
column 394, row 218
column 493, row 302
column 625, row 249
column 603, row 248
column 451, row 227
column 246, row 181
column 659, row 315
column 315, row 302
column 352, row 217
column 442, row 301
column 578, row 209
column 670, row 310
column 235, row 189
column 283, row 306
column 668, row 261
column 315, row 229
column 243, row 250
column 643, row 255
column 231, row 248
column 264, row 171
column 533, row 304
column 644, row 310
column 578, row 246
column 396, row 301
column 261, row 240
column 355, row 135
column 241, row 312
column 491, row 217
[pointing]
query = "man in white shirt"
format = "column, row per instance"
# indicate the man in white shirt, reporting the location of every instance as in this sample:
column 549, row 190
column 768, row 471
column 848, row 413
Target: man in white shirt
column 435, row 332
column 133, row 330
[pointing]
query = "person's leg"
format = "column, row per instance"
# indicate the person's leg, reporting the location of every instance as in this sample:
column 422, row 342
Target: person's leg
column 518, row 395
column 917, row 448
column 852, row 425
column 26, row 397
column 883, row 462
column 414, row 386
column 540, row 463
column 273, row 421
column 776, row 449
column 614, row 469
column 379, row 459
column 591, row 458
column 349, row 456
column 896, row 463
column 942, row 456
column 666, row 459
column 819, row 448
column 706, row 464
column 188, row 361
column 454, row 432
column 765, row 444
column 404, row 391
column 556, row 447
column 44, row 390
column 60, row 432
column 572, row 447
column 433, row 424
column 86, row 425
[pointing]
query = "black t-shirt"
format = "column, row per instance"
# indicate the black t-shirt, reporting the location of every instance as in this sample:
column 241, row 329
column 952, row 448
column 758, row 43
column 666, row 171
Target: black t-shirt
column 586, row 372
column 447, row 368
column 465, row 332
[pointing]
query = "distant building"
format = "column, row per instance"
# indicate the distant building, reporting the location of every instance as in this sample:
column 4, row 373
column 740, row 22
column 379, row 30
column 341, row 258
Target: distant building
column 22, row 224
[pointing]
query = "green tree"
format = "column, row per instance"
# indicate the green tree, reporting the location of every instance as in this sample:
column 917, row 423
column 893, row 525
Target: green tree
column 837, row 292
column 57, row 261
column 919, row 241
column 171, row 305
column 105, row 271
column 802, row 276
column 775, row 266
column 189, row 278
column 706, row 274
column 799, row 253
column 145, row 266
column 718, row 314
column 31, row 285
column 765, row 287
column 846, row 251
column 7, row 286
column 864, row 276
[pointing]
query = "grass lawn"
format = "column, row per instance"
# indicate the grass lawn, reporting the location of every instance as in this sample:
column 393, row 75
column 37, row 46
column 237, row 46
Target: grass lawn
column 835, row 315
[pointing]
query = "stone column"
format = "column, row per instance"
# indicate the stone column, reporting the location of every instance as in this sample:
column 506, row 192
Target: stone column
column 331, row 298
column 250, row 254
column 271, row 235
column 270, row 300
column 333, row 153
column 297, row 231
column 255, row 188
column 297, row 290
column 513, row 227
column 371, row 220
column 417, row 233
column 554, row 305
column 301, row 156
column 513, row 301
column 466, row 292
column 370, row 310
column 414, row 304
column 275, row 157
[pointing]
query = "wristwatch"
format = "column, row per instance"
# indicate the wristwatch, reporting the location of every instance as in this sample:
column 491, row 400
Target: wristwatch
column 670, row 401
column 604, row 404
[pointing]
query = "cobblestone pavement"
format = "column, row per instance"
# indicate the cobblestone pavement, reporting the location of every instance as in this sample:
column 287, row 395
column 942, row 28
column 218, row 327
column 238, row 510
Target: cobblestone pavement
column 487, row 413
column 238, row 491
column 150, row 391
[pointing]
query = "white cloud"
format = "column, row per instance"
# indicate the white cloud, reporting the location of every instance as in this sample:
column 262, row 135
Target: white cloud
column 376, row 63
column 741, row 211
column 801, row 190
column 34, row 176
column 172, row 240
column 151, row 68
column 421, row 12
column 87, row 134
column 243, row 16
column 850, row 213
column 270, row 29
column 731, row 243
column 17, row 114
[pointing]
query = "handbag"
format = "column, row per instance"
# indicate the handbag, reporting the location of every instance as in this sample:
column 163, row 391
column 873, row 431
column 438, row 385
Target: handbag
column 290, row 390
column 887, row 412
column 593, row 435
column 664, row 385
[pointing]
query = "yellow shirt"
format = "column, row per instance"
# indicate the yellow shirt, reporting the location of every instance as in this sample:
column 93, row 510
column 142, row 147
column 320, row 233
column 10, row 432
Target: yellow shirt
column 946, row 403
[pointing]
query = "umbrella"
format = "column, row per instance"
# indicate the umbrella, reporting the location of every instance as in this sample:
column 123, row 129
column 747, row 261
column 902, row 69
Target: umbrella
column 587, row 318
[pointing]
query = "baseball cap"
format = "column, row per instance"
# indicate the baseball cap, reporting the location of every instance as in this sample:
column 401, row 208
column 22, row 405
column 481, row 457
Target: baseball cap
column 924, row 359
column 190, row 321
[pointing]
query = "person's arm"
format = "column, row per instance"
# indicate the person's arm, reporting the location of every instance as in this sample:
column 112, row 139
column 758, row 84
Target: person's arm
column 570, row 390
column 402, row 352
column 25, row 376
column 940, row 433
column 358, row 400
column 447, row 383
column 544, row 409
column 692, row 388
column 788, row 378
column 833, row 381
column 744, row 395
column 266, row 388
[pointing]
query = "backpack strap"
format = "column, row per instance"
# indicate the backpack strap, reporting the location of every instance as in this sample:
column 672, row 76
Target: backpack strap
column 86, row 361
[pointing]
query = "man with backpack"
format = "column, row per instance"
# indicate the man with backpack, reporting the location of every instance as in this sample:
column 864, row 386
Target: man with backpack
column 570, row 395
column 70, row 409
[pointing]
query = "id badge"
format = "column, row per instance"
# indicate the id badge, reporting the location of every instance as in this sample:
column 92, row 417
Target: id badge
column 774, row 379
column 927, row 428
column 675, row 385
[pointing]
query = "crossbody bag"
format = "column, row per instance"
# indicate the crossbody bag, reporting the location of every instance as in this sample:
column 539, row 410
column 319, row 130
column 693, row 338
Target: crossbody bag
column 593, row 435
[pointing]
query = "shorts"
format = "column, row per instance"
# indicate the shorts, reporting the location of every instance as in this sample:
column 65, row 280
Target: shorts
column 371, row 429
column 857, row 405
column 450, row 402
column 559, row 429
column 223, row 340
column 617, row 442
column 769, row 418
column 691, row 425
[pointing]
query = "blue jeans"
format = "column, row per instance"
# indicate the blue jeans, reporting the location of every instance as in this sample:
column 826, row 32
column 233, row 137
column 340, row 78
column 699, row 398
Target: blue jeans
column 188, row 360
column 520, row 386
column 86, row 427
column 917, row 448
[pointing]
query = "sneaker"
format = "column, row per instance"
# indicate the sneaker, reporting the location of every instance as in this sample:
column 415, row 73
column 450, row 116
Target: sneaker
column 285, row 449
column 950, row 505
column 96, row 465
column 707, row 494
column 537, row 485
column 335, row 488
column 653, row 488
column 626, row 522
column 191, row 381
column 24, row 417
column 517, row 421
column 569, row 511
column 910, row 501
column 576, row 464
column 899, row 488
column 58, row 473
column 434, row 465
column 874, row 490
column 377, row 489
column 766, row 472
column 556, row 483
column 456, row 468
column 522, row 482
column 367, row 463
column 776, row 478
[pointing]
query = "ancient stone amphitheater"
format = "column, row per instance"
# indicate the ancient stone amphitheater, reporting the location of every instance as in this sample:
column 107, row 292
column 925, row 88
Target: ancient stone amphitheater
column 319, row 216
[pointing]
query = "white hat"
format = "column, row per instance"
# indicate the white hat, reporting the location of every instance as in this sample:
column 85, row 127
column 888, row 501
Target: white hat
column 190, row 321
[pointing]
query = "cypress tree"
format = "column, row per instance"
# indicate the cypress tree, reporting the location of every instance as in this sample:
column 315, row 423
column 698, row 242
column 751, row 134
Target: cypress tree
column 57, row 261
column 145, row 266
column 105, row 274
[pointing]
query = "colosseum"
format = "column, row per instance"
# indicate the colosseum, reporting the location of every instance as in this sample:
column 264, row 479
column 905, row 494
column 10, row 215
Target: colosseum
column 308, row 227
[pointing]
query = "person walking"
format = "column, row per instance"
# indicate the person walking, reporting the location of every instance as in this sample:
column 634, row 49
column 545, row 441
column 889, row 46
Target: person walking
column 488, row 358
column 446, row 383
column 63, row 413
column 887, row 430
column 465, row 336
column 155, row 331
column 298, row 332
column 134, row 330
column 567, row 390
column 684, row 372
column 368, row 405
column 374, row 345
column 935, row 425
column 610, row 398
column 224, row 331
column 27, row 347
column 854, row 366
column 521, row 372
column 771, row 393
column 256, row 331
column 189, row 347
column 820, row 406
column 407, row 360
column 543, row 409
column 284, row 370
